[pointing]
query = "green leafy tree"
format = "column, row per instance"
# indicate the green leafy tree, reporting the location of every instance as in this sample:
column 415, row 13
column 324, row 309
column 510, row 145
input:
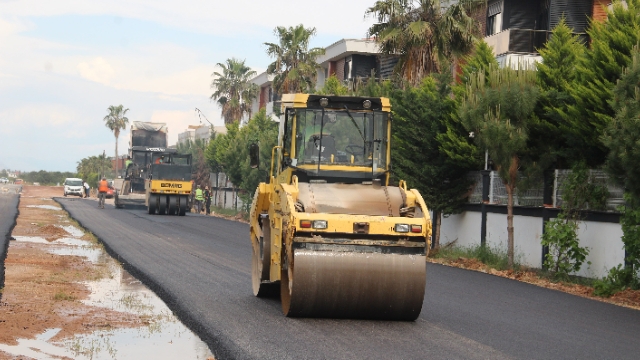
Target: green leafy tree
column 622, row 138
column 421, row 115
column 552, row 138
column 92, row 168
column 374, row 87
column 332, row 86
column 200, row 167
column 597, row 73
column 423, row 33
column 46, row 177
column 230, row 152
column 294, row 66
column 499, row 112
column 482, row 59
column 622, row 135
column 234, row 90
column 116, row 121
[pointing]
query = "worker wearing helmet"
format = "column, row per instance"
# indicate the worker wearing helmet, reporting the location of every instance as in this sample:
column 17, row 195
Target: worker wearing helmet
column 103, row 187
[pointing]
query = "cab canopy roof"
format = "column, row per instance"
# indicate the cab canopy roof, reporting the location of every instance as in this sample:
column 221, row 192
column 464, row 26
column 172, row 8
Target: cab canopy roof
column 149, row 126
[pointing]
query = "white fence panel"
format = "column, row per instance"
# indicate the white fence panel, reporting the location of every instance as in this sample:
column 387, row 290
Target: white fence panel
column 603, row 239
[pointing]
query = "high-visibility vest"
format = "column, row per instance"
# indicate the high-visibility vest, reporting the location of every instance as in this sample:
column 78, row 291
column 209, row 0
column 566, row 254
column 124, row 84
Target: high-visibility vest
column 103, row 186
column 199, row 194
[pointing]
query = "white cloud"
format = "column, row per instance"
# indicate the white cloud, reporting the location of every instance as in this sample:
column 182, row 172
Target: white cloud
column 214, row 17
column 97, row 69
column 54, row 90
column 177, row 121
column 47, row 116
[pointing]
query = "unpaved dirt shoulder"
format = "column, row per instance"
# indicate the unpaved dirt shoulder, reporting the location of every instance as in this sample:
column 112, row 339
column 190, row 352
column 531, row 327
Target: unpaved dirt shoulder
column 44, row 290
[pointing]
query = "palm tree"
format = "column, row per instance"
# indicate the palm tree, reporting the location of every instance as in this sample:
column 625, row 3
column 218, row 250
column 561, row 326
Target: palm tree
column 295, row 66
column 234, row 90
column 424, row 33
column 116, row 121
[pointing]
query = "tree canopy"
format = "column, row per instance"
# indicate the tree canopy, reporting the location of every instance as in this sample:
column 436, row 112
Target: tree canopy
column 424, row 33
column 234, row 90
column 116, row 120
column 499, row 112
column 294, row 66
column 597, row 72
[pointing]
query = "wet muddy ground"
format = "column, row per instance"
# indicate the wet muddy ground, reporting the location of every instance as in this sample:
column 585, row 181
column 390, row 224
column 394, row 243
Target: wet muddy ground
column 64, row 297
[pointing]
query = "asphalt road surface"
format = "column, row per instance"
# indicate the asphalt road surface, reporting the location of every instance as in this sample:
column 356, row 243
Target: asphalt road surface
column 200, row 266
column 9, row 199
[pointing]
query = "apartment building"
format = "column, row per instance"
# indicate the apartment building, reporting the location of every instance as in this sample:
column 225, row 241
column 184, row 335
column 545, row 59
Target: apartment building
column 199, row 132
column 346, row 59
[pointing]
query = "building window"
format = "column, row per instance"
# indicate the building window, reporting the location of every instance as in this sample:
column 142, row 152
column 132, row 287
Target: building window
column 494, row 17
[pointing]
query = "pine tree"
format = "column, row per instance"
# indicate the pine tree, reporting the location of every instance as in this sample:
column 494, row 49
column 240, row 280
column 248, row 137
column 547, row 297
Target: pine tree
column 597, row 73
column 500, row 111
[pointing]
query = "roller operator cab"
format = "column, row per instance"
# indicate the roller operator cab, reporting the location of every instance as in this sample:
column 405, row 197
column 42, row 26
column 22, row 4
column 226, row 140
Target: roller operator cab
column 327, row 229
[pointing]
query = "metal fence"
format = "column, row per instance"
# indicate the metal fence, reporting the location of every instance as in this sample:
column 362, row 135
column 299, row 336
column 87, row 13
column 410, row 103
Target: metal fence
column 533, row 195
column 224, row 193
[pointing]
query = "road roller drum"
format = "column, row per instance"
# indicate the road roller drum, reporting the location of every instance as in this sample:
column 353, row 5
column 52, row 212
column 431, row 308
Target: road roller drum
column 354, row 284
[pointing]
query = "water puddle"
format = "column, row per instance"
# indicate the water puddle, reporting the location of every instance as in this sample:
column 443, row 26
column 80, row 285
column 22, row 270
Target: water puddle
column 165, row 337
column 74, row 231
column 60, row 241
column 48, row 207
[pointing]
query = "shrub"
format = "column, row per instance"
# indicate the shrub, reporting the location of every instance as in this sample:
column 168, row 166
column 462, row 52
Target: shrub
column 565, row 254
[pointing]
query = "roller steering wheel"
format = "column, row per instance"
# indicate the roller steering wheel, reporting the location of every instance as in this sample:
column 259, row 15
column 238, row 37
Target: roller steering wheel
column 353, row 149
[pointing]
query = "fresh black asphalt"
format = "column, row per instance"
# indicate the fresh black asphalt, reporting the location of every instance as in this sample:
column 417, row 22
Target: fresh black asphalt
column 9, row 200
column 200, row 266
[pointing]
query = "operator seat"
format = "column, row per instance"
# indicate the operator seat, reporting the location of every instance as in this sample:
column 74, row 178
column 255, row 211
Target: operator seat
column 312, row 149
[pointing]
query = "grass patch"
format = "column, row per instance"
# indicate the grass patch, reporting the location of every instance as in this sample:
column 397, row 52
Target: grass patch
column 224, row 211
column 63, row 296
column 492, row 257
column 496, row 258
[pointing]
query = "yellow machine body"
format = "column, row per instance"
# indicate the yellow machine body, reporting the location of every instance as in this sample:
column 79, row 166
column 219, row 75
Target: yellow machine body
column 328, row 230
column 170, row 187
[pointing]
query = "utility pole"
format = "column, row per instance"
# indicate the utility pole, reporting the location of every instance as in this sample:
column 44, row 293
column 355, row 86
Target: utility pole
column 104, row 156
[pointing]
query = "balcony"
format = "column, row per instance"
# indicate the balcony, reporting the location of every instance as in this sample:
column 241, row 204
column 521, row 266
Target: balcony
column 517, row 41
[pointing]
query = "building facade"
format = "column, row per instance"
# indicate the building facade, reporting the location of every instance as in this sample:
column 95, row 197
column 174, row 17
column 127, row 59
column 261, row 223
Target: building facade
column 349, row 60
column 516, row 29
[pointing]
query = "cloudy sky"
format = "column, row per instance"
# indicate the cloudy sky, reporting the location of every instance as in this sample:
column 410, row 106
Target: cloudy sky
column 63, row 62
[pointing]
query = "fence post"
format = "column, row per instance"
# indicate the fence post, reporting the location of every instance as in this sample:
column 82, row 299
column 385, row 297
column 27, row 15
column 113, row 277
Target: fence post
column 217, row 187
column 492, row 199
column 486, row 187
column 548, row 200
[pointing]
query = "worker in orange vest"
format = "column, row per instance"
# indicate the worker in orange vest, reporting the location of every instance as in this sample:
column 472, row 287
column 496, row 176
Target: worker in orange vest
column 103, row 187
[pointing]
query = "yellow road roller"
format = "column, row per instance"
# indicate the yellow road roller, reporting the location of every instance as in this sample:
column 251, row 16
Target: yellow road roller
column 327, row 228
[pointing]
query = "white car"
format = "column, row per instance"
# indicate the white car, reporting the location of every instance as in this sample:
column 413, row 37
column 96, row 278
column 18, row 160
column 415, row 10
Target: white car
column 4, row 181
column 73, row 186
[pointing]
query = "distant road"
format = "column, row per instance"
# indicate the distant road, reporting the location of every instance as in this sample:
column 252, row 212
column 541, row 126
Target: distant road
column 200, row 266
column 9, row 199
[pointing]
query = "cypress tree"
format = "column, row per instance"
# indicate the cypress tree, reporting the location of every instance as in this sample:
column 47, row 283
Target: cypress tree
column 421, row 115
column 550, row 135
column 597, row 72
column 482, row 58
column 623, row 133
